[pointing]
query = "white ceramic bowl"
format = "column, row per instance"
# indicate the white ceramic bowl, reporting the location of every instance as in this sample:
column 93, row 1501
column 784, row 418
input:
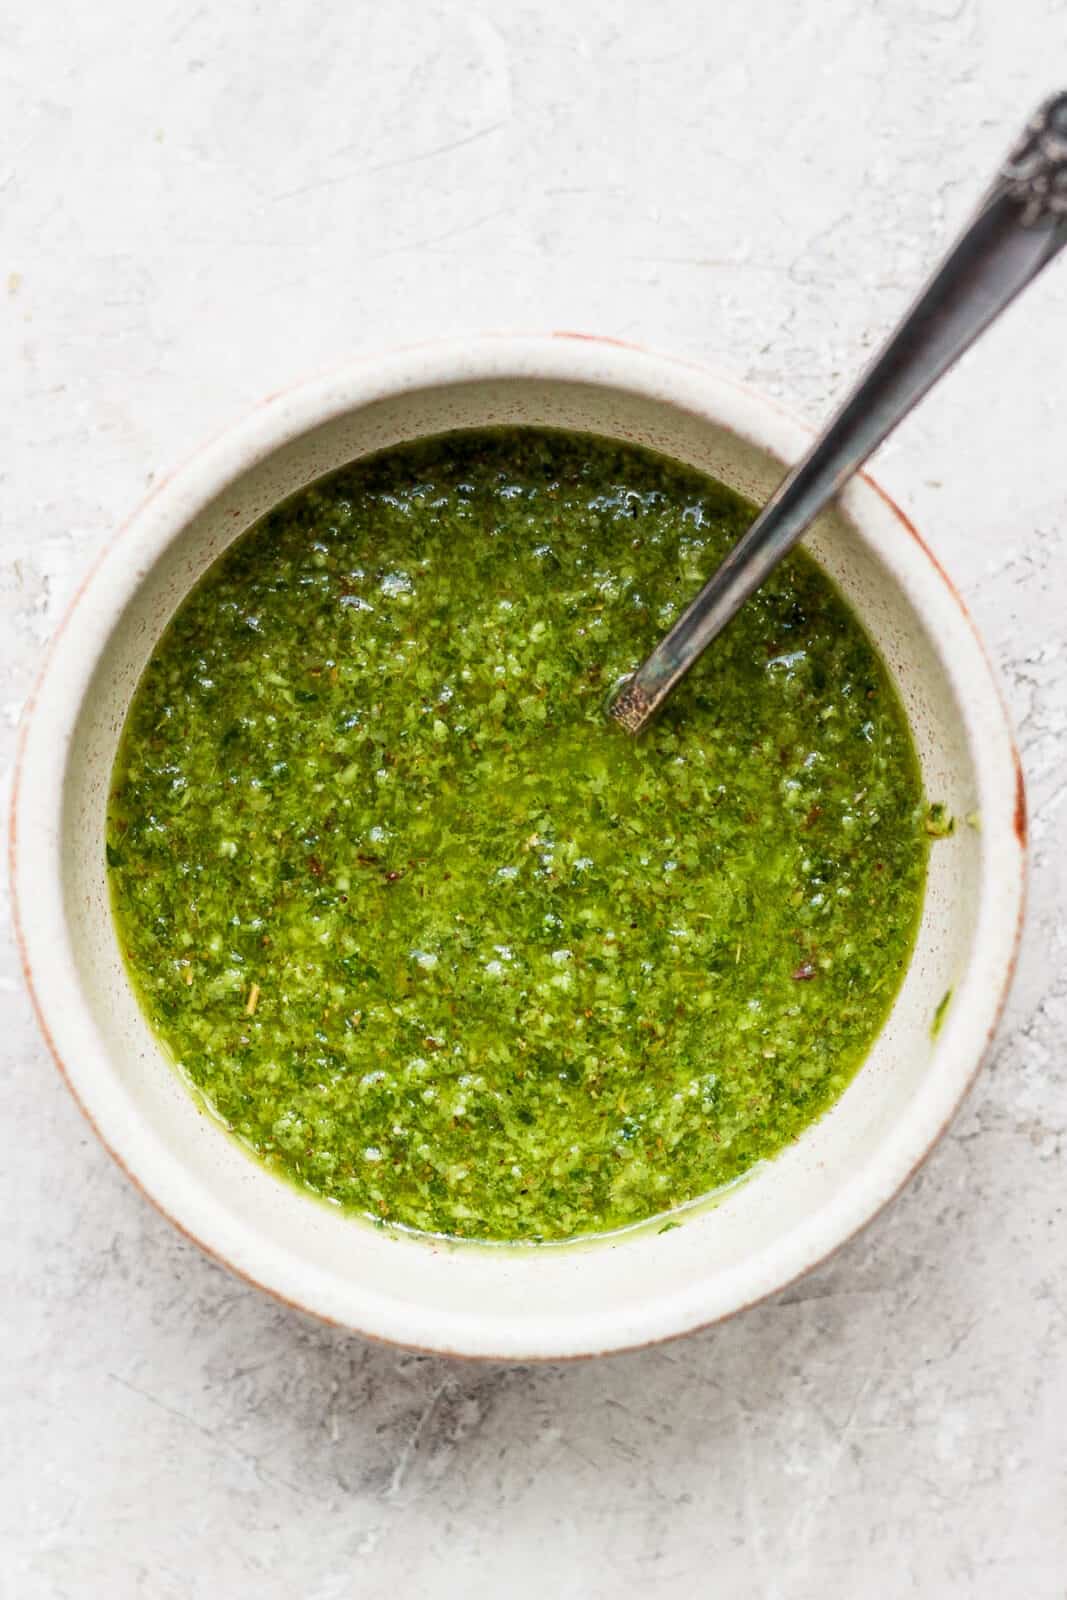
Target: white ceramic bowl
column 470, row 1300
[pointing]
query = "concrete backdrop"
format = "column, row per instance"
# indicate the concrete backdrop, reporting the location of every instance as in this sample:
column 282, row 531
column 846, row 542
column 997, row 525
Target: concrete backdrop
column 200, row 203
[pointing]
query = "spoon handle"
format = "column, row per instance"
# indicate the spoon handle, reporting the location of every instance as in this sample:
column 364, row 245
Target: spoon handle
column 1018, row 228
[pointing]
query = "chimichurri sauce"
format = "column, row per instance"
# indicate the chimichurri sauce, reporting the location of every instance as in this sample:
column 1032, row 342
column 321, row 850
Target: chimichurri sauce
column 432, row 937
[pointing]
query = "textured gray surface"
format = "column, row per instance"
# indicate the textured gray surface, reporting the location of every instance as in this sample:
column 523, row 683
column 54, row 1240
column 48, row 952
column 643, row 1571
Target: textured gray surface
column 200, row 204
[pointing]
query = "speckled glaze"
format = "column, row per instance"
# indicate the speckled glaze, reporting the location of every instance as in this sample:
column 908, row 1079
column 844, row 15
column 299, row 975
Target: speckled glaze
column 623, row 1291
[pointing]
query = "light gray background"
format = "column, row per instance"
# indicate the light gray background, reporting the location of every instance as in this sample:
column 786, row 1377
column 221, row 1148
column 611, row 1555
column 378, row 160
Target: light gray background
column 201, row 203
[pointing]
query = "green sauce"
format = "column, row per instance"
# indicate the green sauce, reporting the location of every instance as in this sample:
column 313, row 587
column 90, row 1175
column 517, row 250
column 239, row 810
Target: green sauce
column 433, row 938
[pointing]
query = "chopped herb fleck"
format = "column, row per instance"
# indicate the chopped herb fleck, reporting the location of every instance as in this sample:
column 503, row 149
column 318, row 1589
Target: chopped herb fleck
column 939, row 1015
column 940, row 823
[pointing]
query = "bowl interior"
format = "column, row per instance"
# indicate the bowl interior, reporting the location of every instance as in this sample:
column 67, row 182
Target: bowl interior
column 628, row 1288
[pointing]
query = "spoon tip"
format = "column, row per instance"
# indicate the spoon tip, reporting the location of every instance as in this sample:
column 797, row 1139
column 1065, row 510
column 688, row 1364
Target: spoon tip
column 629, row 705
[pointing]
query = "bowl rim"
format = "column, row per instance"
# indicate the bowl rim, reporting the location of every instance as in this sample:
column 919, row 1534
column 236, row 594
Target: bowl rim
column 54, row 705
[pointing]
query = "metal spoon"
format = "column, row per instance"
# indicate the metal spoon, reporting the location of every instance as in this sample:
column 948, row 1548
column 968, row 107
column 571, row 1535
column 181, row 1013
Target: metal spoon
column 1017, row 229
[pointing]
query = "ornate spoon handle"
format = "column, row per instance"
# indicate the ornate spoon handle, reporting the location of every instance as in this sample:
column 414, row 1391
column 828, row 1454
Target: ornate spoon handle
column 1017, row 229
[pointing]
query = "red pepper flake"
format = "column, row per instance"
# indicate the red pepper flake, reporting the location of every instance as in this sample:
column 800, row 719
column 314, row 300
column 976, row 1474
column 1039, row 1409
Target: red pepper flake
column 315, row 867
column 804, row 972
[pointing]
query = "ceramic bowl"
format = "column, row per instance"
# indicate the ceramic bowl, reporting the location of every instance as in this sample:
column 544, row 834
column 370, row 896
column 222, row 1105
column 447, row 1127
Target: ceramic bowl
column 629, row 1289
